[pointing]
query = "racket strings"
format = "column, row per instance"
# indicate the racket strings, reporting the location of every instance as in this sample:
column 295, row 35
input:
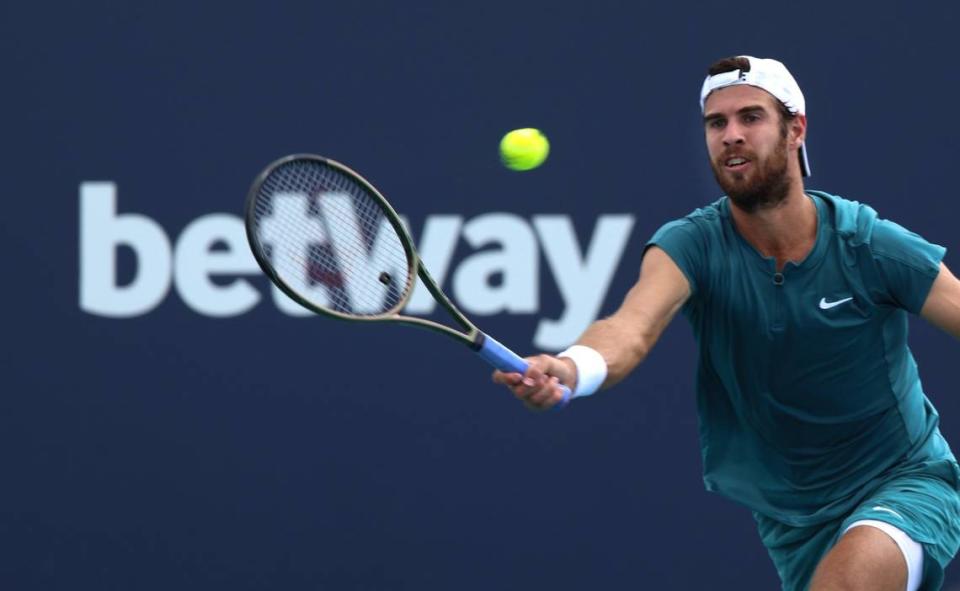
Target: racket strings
column 330, row 240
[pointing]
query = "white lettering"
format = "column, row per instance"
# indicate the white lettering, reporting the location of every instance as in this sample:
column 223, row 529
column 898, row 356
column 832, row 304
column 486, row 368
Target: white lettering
column 502, row 275
column 515, row 263
column 439, row 240
column 102, row 231
column 195, row 262
column 290, row 258
column 583, row 280
column 361, row 266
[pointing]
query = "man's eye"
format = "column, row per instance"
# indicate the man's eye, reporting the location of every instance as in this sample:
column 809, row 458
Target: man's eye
column 717, row 123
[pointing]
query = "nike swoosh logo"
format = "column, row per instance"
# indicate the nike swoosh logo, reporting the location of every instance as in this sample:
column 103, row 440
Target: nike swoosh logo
column 825, row 305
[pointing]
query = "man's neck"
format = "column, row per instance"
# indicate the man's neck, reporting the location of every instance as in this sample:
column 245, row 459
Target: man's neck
column 787, row 231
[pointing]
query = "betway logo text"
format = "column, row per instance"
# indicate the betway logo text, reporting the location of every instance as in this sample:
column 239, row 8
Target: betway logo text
column 215, row 245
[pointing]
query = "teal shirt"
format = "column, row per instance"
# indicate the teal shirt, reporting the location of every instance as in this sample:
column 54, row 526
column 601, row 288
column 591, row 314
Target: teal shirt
column 807, row 393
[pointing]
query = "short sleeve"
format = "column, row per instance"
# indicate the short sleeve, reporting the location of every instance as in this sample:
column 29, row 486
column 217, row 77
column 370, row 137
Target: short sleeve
column 683, row 242
column 908, row 264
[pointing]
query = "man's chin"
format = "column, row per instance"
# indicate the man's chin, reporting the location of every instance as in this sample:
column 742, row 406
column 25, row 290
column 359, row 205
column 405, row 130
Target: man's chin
column 731, row 181
column 737, row 186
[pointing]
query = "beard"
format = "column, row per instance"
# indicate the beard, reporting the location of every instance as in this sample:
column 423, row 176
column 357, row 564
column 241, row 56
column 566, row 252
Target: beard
column 768, row 187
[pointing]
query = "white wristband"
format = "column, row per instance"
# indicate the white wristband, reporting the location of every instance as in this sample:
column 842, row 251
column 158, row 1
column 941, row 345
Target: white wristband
column 591, row 369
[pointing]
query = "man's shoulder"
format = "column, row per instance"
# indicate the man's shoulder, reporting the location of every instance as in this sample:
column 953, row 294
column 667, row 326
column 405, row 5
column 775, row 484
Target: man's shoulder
column 712, row 213
column 700, row 220
column 692, row 239
column 852, row 220
column 858, row 223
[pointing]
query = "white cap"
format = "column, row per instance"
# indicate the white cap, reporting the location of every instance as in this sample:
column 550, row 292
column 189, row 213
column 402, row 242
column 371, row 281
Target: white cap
column 772, row 76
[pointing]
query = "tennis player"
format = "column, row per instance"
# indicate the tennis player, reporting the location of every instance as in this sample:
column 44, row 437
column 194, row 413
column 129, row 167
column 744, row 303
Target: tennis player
column 811, row 408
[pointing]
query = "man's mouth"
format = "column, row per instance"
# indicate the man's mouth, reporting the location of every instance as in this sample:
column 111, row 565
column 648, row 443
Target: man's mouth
column 735, row 162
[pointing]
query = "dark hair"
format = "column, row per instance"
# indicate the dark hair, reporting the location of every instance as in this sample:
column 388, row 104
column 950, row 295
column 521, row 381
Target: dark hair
column 729, row 64
column 735, row 62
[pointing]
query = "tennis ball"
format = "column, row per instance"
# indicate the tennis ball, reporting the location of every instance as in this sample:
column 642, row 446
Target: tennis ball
column 524, row 149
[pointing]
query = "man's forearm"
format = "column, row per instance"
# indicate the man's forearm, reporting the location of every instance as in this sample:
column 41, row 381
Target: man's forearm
column 622, row 349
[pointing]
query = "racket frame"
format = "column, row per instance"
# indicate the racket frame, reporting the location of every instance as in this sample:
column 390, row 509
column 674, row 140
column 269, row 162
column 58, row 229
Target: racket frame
column 470, row 336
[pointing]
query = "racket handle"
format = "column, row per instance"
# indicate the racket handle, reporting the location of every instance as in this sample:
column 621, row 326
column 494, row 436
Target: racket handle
column 506, row 360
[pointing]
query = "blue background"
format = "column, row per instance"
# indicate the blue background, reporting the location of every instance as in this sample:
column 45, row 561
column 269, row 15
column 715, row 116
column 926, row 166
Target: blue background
column 174, row 450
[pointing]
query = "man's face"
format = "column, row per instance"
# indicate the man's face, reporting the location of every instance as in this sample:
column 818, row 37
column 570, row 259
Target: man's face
column 748, row 147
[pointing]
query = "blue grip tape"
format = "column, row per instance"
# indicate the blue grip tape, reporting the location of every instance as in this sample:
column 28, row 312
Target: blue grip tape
column 506, row 360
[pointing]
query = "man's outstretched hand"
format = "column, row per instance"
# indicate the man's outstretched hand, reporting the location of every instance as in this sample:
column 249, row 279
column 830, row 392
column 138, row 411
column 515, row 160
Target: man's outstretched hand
column 539, row 388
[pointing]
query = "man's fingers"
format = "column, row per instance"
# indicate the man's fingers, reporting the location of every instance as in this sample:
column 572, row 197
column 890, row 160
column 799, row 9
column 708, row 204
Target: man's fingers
column 545, row 394
column 536, row 377
column 523, row 387
column 537, row 389
column 507, row 378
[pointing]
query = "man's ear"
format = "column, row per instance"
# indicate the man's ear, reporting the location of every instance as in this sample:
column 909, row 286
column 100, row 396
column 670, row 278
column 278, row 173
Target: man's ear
column 798, row 129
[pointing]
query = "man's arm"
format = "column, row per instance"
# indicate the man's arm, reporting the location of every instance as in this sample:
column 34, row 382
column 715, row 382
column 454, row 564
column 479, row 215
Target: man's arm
column 942, row 306
column 623, row 339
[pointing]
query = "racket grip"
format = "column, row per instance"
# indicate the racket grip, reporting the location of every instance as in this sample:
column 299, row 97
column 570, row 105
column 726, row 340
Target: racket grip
column 506, row 360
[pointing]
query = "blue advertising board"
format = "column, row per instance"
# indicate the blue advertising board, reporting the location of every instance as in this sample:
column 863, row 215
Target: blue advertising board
column 169, row 420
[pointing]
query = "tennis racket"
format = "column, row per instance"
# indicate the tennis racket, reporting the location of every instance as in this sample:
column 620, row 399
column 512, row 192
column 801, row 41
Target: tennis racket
column 329, row 240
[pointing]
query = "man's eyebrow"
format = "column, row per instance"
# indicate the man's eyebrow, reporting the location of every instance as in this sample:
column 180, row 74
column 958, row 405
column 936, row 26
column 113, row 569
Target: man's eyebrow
column 743, row 110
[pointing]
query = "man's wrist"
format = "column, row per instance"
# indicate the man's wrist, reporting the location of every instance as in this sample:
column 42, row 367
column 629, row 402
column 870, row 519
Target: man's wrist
column 591, row 369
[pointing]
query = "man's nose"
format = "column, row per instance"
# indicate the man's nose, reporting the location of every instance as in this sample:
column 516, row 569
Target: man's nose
column 732, row 134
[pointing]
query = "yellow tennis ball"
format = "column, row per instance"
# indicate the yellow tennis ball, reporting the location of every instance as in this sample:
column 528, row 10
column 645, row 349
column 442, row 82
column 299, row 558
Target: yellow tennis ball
column 524, row 149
